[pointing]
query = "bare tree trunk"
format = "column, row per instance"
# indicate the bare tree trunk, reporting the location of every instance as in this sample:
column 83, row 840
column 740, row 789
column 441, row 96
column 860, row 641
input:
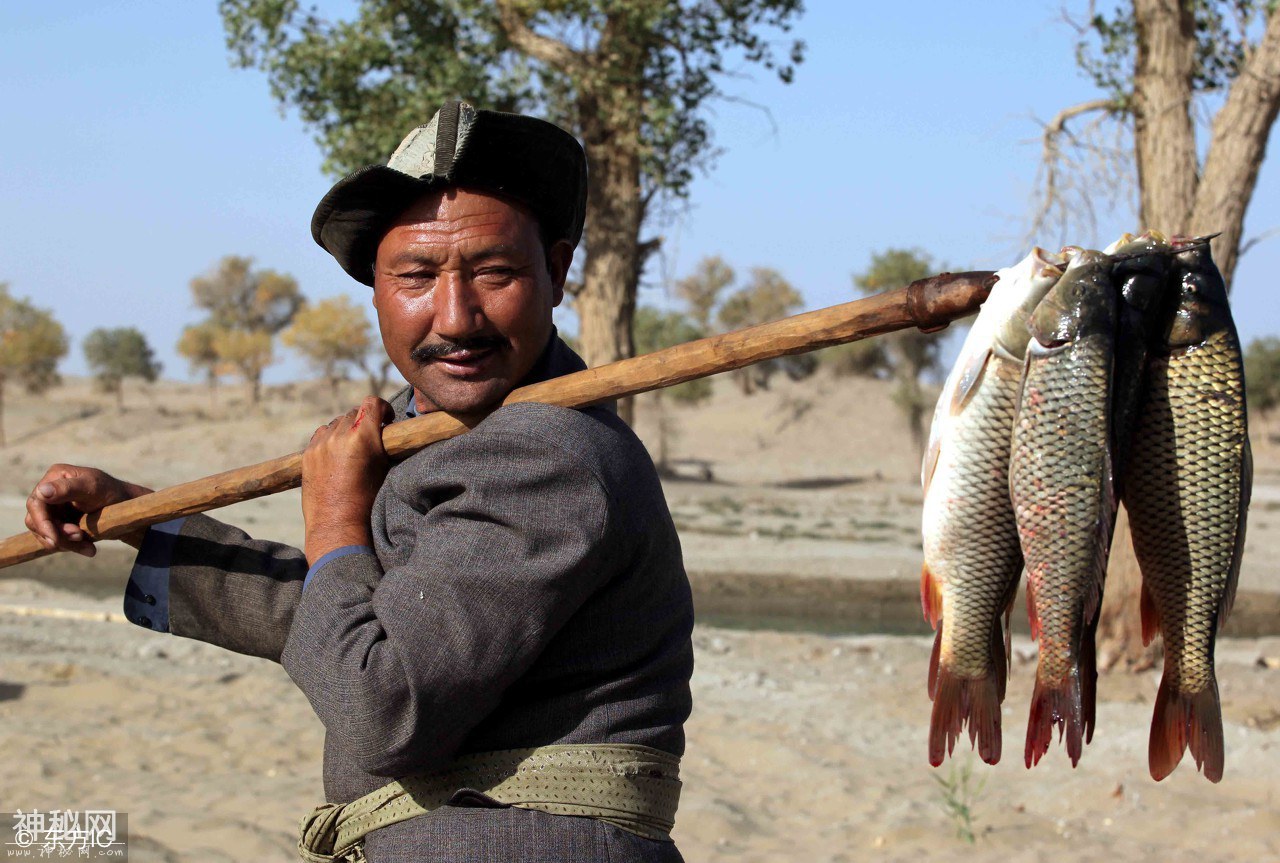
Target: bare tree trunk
column 255, row 387
column 1163, row 132
column 119, row 388
column 2, row 441
column 1165, row 149
column 1237, row 149
column 606, row 302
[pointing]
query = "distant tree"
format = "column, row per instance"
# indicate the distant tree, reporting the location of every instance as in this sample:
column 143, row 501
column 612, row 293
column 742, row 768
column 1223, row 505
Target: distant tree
column 910, row 353
column 654, row 331
column 119, row 353
column 246, row 307
column 31, row 343
column 334, row 335
column 866, row 358
column 766, row 297
column 701, row 290
column 238, row 297
column 1262, row 374
column 196, row 345
column 247, row 352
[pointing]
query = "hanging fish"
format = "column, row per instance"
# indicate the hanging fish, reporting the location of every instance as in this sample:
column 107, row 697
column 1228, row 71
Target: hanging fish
column 1063, row 497
column 1187, row 490
column 972, row 559
column 1141, row 275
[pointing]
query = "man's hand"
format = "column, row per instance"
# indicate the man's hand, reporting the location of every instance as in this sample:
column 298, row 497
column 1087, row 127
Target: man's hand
column 65, row 493
column 342, row 469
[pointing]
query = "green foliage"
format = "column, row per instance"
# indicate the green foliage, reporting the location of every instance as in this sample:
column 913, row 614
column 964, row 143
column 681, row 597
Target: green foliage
column 1224, row 28
column 362, row 84
column 959, row 795
column 1262, row 373
column 119, row 353
column 655, row 330
column 909, row 354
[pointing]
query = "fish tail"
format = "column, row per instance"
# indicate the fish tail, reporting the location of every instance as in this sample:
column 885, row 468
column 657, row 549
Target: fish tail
column 1186, row 720
column 930, row 596
column 960, row 701
column 1059, row 705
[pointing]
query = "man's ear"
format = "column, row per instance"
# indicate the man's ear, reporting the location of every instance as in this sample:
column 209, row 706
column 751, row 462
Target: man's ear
column 559, row 258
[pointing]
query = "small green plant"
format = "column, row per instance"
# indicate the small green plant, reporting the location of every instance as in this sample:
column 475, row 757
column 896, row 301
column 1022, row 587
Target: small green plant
column 959, row 795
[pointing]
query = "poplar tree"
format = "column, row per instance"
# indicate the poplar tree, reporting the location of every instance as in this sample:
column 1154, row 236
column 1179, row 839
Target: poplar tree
column 632, row 80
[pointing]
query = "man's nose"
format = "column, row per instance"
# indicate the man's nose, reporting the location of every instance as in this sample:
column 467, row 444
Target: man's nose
column 457, row 309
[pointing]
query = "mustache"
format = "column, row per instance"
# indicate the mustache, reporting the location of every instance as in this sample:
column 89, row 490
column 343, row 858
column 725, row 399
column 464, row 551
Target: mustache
column 434, row 350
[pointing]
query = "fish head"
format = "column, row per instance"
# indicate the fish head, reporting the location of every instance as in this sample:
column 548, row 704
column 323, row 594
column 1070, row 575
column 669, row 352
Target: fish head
column 1202, row 308
column 1080, row 304
column 1033, row 278
column 1141, row 267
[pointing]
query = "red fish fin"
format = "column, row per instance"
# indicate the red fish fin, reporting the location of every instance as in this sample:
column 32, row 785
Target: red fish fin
column 930, row 596
column 1058, row 706
column 961, row 701
column 1150, row 616
column 1186, row 720
column 933, row 662
column 1032, row 618
column 1246, row 492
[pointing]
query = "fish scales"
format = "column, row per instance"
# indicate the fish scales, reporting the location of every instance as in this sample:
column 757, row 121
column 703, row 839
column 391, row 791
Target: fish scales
column 971, row 551
column 979, row 561
column 1189, row 479
column 1061, row 486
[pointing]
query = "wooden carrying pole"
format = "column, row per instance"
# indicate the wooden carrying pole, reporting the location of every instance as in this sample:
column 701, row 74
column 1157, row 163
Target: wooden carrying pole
column 929, row 304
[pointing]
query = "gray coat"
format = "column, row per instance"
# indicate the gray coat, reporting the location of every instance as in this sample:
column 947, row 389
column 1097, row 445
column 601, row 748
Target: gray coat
column 525, row 588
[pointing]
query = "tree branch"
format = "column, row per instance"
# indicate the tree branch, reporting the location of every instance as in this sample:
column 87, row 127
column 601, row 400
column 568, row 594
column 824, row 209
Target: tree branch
column 544, row 49
column 1253, row 241
column 1052, row 158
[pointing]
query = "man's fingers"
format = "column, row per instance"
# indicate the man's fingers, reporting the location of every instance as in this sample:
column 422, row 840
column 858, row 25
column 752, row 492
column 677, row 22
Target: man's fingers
column 68, row 488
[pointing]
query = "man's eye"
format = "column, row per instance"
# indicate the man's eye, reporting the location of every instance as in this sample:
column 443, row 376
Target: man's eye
column 496, row 274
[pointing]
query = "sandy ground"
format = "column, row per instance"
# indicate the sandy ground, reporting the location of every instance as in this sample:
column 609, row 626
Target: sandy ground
column 802, row 746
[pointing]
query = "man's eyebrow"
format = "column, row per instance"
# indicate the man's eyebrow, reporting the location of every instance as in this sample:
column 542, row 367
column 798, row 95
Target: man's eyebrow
column 498, row 250
column 410, row 257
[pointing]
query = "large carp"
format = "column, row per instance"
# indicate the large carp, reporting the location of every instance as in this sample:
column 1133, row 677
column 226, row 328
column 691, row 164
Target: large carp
column 1141, row 274
column 1063, row 497
column 971, row 556
column 1187, row 490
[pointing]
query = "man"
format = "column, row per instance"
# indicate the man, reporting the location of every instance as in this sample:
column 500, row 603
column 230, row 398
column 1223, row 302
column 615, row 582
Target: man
column 516, row 588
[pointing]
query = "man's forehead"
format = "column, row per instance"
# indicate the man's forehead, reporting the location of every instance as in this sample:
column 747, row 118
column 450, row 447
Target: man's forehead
column 442, row 209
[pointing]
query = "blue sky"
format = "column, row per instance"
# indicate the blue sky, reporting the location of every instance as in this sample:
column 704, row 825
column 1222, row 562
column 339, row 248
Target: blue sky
column 134, row 157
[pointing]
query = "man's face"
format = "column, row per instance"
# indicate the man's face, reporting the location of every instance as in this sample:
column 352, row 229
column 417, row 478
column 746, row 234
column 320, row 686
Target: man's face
column 464, row 296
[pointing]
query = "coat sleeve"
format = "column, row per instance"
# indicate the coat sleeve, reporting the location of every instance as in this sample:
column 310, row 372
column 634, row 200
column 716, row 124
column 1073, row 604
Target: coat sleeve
column 499, row 548
column 230, row 590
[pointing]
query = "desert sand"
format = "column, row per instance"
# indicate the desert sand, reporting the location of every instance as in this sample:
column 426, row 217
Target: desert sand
column 807, row 740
